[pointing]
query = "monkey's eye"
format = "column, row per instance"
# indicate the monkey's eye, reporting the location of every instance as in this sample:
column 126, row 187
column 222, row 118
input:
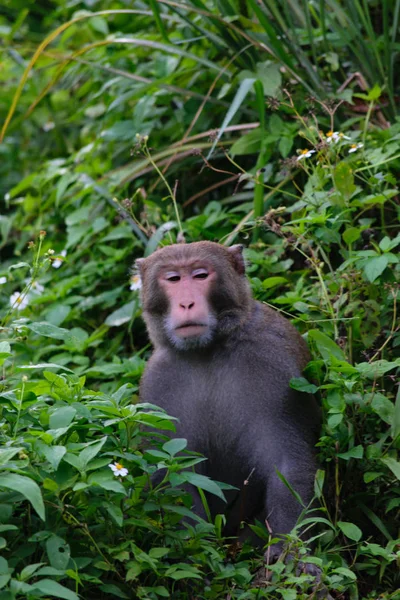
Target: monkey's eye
column 172, row 277
column 200, row 274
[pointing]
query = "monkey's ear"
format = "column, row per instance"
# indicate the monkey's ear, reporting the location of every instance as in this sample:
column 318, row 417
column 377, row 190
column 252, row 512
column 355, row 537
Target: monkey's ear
column 237, row 253
column 139, row 266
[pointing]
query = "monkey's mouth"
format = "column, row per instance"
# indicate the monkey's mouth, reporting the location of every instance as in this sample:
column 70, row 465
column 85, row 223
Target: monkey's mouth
column 190, row 329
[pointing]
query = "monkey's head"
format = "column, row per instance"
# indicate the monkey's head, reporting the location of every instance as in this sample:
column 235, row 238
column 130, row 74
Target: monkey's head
column 193, row 294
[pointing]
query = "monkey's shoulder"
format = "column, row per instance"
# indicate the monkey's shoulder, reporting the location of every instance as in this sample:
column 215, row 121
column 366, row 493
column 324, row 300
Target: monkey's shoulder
column 273, row 334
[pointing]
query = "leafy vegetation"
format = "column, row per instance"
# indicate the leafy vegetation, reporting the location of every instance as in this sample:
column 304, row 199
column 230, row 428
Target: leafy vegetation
column 274, row 124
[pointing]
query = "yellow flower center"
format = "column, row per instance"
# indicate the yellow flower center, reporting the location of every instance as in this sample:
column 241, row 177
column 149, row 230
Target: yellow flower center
column 135, row 279
column 304, row 152
column 329, row 134
column 118, row 466
column 353, row 146
column 19, row 300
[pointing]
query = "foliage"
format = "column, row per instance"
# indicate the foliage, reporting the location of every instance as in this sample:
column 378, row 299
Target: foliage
column 310, row 187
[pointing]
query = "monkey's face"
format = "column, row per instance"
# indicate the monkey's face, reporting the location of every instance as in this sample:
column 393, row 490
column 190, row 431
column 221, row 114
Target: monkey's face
column 190, row 321
column 193, row 294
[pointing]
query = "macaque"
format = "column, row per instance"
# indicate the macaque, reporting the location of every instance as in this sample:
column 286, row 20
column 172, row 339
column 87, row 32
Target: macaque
column 222, row 364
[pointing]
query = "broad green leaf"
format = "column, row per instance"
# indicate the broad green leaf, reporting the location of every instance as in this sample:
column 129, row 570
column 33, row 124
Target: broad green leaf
column 287, row 594
column 269, row 74
column 325, row 345
column 387, row 244
column 249, row 143
column 183, row 574
column 350, row 530
column 25, row 486
column 122, row 315
column 344, row 179
column 58, row 552
column 352, row 234
column 49, row 330
column 376, row 369
column 271, row 282
column 393, row 465
column 375, row 266
column 6, row 454
column 174, row 446
column 383, row 407
column 356, row 452
column 28, row 571
column 49, row 587
column 62, row 417
column 204, row 483
column 302, row 385
column 53, row 454
column 92, row 449
column 346, row 572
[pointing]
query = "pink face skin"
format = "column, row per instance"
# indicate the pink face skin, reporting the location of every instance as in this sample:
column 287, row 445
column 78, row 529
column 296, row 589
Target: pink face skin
column 187, row 289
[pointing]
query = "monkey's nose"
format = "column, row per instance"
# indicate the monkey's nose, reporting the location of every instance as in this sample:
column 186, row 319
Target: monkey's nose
column 186, row 305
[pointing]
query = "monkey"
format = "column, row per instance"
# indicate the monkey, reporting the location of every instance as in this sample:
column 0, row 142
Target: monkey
column 222, row 364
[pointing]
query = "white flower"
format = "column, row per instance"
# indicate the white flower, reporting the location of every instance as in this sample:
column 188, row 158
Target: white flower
column 59, row 261
column 332, row 136
column 355, row 147
column 305, row 154
column 136, row 282
column 3, row 280
column 49, row 126
column 18, row 301
column 336, row 136
column 37, row 288
column 118, row 470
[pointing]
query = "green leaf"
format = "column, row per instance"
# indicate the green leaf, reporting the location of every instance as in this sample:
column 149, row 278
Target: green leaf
column 53, row 454
column 344, row 179
column 25, row 486
column 377, row 369
column 302, row 385
column 396, row 419
column 244, row 88
column 48, row 330
column 92, row 449
column 387, row 244
column 356, row 452
column 345, row 572
column 183, row 574
column 393, row 465
column 204, row 483
column 158, row 236
column 48, row 587
column 375, row 266
column 6, row 454
column 122, row 315
column 249, row 143
column 352, row 234
column 62, row 417
column 271, row 282
column 174, row 446
column 350, row 530
column 28, row 571
column 287, row 594
column 269, row 74
column 325, row 345
column 319, row 483
column 383, row 407
column 58, row 552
